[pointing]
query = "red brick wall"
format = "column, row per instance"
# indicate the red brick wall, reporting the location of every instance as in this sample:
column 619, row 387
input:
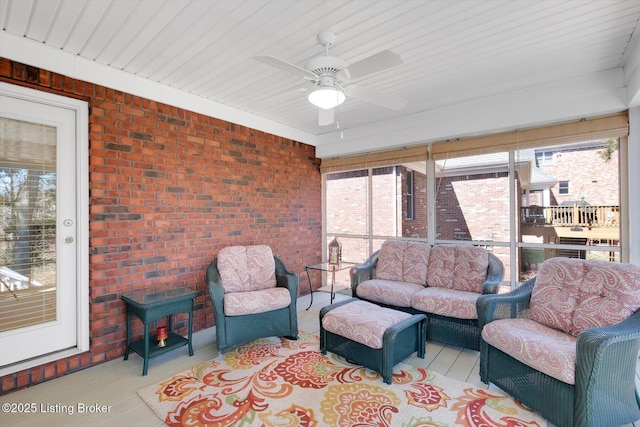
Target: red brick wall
column 168, row 189
column 473, row 207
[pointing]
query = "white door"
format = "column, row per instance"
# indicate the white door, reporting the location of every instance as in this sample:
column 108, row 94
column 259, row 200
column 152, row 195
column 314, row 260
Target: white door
column 39, row 220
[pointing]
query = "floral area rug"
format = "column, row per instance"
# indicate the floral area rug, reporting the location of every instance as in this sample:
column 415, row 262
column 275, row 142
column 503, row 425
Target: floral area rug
column 278, row 382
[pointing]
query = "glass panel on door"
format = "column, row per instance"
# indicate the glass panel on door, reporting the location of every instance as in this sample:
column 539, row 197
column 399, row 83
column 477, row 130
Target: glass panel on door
column 27, row 224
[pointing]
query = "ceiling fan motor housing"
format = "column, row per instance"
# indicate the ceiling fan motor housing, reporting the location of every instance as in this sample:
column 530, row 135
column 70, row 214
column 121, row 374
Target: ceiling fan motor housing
column 326, row 66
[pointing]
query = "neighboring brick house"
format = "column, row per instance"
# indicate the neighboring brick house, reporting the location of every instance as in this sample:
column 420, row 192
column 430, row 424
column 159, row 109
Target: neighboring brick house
column 581, row 172
column 586, row 194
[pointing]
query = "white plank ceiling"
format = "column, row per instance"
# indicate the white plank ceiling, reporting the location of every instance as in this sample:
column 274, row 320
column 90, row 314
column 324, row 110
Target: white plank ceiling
column 457, row 54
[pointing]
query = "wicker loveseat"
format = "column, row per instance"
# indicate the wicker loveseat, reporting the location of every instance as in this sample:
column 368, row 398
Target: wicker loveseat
column 441, row 281
column 253, row 296
column 566, row 342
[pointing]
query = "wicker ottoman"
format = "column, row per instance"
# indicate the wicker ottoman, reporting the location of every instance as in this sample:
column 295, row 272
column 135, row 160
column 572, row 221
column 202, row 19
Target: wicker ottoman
column 375, row 337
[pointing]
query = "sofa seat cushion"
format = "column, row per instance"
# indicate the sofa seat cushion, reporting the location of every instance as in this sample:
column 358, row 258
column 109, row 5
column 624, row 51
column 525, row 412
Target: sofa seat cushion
column 446, row 302
column 363, row 322
column 544, row 349
column 246, row 268
column 572, row 295
column 388, row 292
column 260, row 301
column 461, row 267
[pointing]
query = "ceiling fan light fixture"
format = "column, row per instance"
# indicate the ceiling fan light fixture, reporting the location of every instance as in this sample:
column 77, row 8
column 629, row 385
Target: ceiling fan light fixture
column 326, row 97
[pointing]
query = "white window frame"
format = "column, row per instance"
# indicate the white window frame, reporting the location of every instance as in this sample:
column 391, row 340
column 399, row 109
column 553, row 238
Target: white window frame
column 544, row 158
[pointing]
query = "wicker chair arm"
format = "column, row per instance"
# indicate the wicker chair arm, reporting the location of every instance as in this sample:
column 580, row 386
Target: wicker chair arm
column 286, row 278
column 216, row 294
column 606, row 359
column 214, row 283
column 627, row 330
column 593, row 342
column 495, row 273
column 504, row 306
column 212, row 274
column 365, row 271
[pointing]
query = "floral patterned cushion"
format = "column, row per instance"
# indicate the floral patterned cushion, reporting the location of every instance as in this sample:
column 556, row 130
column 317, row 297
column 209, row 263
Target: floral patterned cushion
column 543, row 348
column 414, row 264
column 446, row 302
column 442, row 263
column 389, row 292
column 572, row 295
column 471, row 268
column 390, row 260
column 458, row 267
column 362, row 322
column 239, row 303
column 609, row 294
column 232, row 266
column 261, row 266
column 403, row 261
column 554, row 296
column 246, row 268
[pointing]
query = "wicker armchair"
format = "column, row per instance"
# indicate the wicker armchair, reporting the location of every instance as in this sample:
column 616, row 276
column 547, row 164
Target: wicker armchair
column 253, row 297
column 603, row 390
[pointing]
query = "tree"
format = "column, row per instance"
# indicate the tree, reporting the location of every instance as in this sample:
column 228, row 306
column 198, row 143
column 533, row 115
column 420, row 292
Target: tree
column 610, row 147
column 27, row 217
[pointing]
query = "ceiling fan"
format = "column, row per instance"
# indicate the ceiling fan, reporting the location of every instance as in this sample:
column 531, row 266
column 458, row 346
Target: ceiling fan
column 330, row 76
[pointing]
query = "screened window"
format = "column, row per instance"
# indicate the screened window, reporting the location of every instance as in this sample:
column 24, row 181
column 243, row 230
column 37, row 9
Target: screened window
column 365, row 207
column 504, row 192
column 472, row 202
column 583, row 223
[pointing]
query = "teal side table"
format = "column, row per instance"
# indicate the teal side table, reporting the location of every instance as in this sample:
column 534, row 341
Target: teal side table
column 151, row 306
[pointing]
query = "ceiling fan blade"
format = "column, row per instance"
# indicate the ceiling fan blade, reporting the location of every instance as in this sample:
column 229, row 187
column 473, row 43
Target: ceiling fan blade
column 286, row 66
column 325, row 117
column 373, row 64
column 388, row 101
